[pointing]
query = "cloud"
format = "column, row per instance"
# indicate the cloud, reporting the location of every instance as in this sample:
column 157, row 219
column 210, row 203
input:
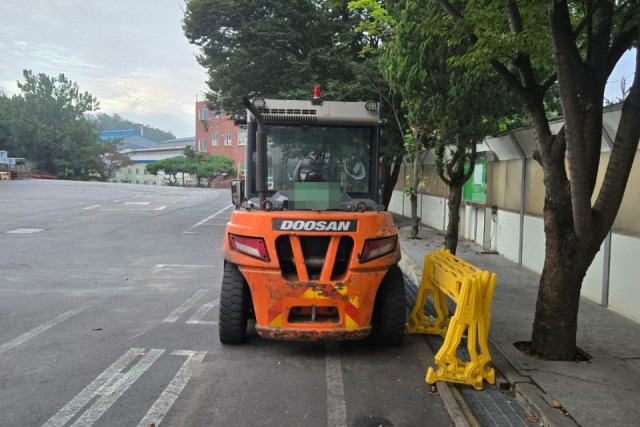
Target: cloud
column 131, row 55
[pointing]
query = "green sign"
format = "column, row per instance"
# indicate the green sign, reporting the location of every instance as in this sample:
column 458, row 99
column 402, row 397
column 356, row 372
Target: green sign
column 475, row 189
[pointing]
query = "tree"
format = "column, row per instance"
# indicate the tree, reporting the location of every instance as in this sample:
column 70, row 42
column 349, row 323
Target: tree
column 531, row 46
column 446, row 108
column 51, row 128
column 213, row 166
column 280, row 49
column 207, row 166
column 9, row 115
column 466, row 110
column 309, row 42
column 201, row 165
column 392, row 149
column 112, row 160
column 171, row 166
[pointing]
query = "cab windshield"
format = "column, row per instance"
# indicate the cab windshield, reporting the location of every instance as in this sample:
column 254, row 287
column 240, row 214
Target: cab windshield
column 320, row 154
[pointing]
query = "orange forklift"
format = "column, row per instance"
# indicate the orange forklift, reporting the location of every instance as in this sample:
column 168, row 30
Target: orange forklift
column 308, row 252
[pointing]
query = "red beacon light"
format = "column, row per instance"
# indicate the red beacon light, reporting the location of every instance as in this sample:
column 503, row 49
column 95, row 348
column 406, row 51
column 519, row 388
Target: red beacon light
column 317, row 96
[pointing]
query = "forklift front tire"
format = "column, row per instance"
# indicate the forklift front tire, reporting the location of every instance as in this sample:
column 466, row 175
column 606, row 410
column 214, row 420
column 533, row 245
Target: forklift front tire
column 235, row 299
column 390, row 309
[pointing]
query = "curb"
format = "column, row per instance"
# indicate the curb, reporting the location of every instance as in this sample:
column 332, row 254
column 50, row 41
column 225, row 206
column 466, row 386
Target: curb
column 454, row 403
column 527, row 392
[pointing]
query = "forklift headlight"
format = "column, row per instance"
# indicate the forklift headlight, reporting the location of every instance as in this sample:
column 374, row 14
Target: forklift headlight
column 252, row 246
column 375, row 248
column 258, row 102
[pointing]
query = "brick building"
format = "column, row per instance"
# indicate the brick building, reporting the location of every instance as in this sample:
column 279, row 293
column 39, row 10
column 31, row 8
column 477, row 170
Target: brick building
column 216, row 134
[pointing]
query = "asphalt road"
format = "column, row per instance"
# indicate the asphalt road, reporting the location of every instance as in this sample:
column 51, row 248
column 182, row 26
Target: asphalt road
column 108, row 317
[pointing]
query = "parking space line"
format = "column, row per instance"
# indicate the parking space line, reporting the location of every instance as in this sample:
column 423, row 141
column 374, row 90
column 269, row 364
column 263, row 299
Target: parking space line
column 185, row 306
column 78, row 402
column 47, row 325
column 121, row 383
column 134, row 210
column 190, row 230
column 162, row 405
column 197, row 317
column 336, row 409
column 109, row 385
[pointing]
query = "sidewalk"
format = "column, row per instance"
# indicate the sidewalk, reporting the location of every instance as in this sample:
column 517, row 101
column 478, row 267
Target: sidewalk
column 603, row 391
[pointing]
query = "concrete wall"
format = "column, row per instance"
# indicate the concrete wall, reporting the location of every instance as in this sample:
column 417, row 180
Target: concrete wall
column 503, row 236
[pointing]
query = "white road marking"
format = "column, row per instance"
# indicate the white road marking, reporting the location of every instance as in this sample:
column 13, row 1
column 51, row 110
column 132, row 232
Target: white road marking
column 110, row 385
column 190, row 230
column 183, row 266
column 197, row 317
column 336, row 410
column 172, row 391
column 92, row 207
column 136, row 210
column 25, row 231
column 121, row 383
column 71, row 291
column 51, row 323
column 185, row 306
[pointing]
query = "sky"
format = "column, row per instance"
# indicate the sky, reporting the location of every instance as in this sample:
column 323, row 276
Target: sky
column 130, row 54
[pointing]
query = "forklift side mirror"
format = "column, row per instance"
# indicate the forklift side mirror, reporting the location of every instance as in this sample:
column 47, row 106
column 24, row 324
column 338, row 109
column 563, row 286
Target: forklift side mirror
column 237, row 192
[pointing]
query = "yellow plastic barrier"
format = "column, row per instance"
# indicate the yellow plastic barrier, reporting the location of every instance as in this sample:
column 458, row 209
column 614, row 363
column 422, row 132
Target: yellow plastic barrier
column 445, row 275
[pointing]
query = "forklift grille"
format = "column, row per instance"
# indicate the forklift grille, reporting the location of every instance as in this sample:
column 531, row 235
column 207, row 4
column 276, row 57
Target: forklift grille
column 314, row 251
column 285, row 258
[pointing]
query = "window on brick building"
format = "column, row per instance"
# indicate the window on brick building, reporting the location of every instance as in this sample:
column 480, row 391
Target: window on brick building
column 214, row 139
column 227, row 138
column 242, row 137
column 203, row 114
column 202, row 145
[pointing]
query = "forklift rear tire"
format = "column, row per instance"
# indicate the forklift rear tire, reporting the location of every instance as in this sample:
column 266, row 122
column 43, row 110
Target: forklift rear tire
column 390, row 309
column 235, row 301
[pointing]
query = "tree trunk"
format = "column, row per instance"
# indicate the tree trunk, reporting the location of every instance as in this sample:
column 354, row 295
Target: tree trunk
column 565, row 265
column 455, row 198
column 414, row 179
column 390, row 180
column 415, row 219
column 555, row 324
